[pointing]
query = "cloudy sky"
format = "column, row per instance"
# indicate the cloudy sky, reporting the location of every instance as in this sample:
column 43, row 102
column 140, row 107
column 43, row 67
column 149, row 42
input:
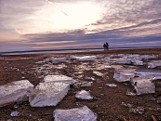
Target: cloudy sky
column 57, row 24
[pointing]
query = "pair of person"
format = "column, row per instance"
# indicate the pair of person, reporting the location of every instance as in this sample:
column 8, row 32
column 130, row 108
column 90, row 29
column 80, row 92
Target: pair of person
column 106, row 46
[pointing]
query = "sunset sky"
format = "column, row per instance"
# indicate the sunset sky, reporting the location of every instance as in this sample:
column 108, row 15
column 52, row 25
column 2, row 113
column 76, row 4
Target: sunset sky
column 57, row 24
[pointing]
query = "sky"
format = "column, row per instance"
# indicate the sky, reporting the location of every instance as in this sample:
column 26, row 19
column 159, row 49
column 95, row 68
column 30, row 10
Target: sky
column 59, row 24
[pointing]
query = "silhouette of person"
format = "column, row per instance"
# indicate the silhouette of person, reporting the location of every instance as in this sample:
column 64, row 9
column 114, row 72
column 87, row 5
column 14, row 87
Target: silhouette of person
column 107, row 45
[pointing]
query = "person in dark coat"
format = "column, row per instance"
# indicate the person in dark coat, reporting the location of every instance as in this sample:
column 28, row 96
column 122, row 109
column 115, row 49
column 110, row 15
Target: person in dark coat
column 105, row 46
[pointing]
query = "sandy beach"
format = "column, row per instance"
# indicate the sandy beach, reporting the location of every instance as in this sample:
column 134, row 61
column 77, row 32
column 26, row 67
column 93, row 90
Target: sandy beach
column 109, row 103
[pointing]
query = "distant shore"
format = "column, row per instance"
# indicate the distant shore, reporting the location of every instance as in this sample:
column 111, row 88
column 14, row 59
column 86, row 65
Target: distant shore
column 88, row 51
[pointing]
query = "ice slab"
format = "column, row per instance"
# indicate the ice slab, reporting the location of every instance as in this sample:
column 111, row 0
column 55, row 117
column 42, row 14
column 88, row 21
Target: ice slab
column 59, row 60
column 48, row 94
column 84, row 58
column 59, row 78
column 143, row 85
column 84, row 95
column 14, row 91
column 124, row 75
column 75, row 114
column 149, row 72
column 154, row 64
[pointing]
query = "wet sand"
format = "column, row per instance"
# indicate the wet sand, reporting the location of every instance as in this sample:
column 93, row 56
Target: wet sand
column 106, row 103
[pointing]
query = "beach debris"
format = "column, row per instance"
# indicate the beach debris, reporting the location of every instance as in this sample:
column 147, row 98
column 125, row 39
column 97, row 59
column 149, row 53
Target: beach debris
column 59, row 60
column 111, row 85
column 98, row 73
column 59, row 78
column 84, row 95
column 138, row 110
column 143, row 85
column 15, row 91
column 48, row 94
column 75, row 114
column 15, row 113
column 154, row 64
column 84, row 58
column 128, row 105
column 130, row 93
column 123, row 75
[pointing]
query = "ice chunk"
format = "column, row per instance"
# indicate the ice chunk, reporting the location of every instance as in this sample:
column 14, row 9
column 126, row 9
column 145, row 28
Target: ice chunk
column 14, row 91
column 48, row 94
column 124, row 75
column 84, row 58
column 111, row 85
column 98, row 73
column 137, row 62
column 15, row 113
column 59, row 60
column 144, row 73
column 143, row 85
column 84, row 95
column 154, row 64
column 75, row 114
column 124, row 60
column 59, row 78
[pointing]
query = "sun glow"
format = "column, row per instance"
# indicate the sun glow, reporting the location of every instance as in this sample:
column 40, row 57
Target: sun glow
column 58, row 17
